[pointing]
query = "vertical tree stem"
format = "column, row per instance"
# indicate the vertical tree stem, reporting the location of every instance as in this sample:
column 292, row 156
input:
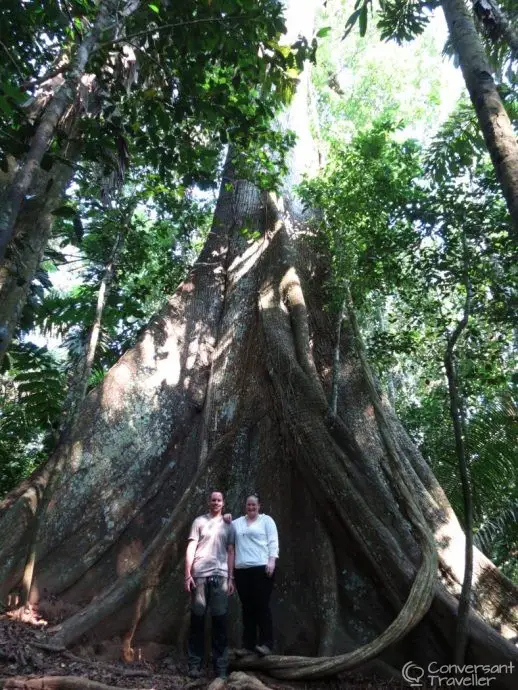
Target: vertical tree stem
column 459, row 430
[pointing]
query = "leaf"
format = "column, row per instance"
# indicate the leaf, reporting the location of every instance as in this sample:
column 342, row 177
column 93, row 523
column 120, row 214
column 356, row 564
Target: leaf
column 13, row 92
column 363, row 21
column 350, row 23
column 154, row 8
column 292, row 73
column 321, row 33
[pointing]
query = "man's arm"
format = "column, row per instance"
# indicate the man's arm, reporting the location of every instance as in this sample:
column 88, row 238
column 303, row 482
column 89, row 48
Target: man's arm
column 231, row 557
column 189, row 558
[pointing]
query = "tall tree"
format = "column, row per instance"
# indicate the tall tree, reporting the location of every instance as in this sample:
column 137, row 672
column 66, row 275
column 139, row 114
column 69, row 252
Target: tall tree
column 229, row 386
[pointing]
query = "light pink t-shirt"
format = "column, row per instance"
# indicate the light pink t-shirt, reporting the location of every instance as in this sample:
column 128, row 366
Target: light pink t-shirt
column 212, row 536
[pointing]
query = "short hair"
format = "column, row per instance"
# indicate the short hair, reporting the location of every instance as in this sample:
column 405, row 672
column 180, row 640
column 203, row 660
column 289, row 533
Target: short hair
column 216, row 491
column 255, row 495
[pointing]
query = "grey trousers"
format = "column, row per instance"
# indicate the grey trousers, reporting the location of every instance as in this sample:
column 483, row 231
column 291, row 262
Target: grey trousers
column 209, row 594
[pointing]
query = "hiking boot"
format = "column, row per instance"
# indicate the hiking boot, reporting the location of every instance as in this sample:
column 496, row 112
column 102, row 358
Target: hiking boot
column 194, row 673
column 263, row 650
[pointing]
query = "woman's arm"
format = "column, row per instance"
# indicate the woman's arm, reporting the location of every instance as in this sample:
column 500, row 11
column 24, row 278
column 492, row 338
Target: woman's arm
column 272, row 538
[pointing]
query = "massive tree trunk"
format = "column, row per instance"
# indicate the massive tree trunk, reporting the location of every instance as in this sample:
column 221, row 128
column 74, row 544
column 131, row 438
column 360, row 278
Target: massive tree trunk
column 227, row 388
column 492, row 116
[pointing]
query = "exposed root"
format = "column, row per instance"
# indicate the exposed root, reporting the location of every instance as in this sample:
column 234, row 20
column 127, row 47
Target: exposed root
column 243, row 681
column 56, row 683
column 49, row 647
column 217, row 684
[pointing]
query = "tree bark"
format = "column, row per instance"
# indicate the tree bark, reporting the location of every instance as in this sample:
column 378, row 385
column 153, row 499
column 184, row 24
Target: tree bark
column 228, row 388
column 74, row 401
column 333, row 400
column 492, row 116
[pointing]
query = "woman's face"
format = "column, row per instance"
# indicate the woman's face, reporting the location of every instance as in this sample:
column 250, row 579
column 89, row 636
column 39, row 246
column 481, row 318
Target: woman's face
column 252, row 507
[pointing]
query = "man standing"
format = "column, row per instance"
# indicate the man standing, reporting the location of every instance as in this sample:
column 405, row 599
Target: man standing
column 209, row 577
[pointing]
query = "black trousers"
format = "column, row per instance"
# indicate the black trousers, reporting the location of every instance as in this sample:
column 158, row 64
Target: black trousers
column 255, row 588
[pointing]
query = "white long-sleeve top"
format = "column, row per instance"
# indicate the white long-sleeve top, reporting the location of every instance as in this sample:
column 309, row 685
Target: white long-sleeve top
column 256, row 541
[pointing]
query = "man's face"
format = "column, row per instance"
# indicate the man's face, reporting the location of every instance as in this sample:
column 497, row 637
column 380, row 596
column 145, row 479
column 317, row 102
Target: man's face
column 216, row 503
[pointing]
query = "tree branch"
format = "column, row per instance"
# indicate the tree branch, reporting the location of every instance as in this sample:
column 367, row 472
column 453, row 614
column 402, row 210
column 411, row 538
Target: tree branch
column 11, row 59
column 163, row 27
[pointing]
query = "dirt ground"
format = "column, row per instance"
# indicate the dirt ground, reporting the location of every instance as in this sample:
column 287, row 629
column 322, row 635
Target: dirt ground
column 27, row 661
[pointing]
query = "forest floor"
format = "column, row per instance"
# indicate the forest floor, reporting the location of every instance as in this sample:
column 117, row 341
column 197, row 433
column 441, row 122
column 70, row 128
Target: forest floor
column 28, row 662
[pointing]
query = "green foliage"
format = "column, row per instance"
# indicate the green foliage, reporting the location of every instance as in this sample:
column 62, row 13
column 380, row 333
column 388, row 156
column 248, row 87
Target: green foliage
column 493, row 32
column 359, row 15
column 265, row 164
column 362, row 196
column 182, row 81
column 459, row 213
column 31, row 395
column 398, row 20
column 361, row 80
column 402, row 20
column 155, row 229
column 186, row 80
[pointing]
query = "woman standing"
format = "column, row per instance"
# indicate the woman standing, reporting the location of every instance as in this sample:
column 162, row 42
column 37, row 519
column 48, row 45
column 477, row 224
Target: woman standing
column 257, row 548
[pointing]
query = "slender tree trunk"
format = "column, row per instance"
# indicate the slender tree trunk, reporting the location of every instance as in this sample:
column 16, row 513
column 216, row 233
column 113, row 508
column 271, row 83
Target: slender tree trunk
column 32, row 233
column 79, row 385
column 459, row 430
column 492, row 116
column 95, row 329
column 45, row 132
